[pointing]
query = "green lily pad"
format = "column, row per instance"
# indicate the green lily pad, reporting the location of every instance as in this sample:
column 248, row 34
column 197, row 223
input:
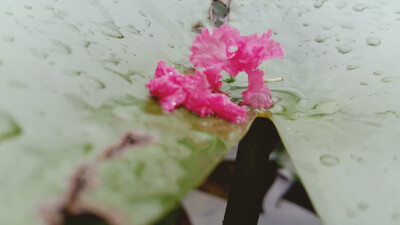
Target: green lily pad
column 338, row 107
column 79, row 133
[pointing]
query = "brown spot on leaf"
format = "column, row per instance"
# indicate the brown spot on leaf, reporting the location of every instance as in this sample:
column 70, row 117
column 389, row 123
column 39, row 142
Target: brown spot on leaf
column 197, row 28
column 73, row 208
column 130, row 140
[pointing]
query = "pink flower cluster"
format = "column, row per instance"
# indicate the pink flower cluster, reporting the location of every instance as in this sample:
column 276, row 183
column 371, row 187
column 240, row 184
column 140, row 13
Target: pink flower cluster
column 174, row 89
column 224, row 49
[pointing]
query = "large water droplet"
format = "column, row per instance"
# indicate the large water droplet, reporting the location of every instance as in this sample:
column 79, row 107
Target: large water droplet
column 359, row 7
column 352, row 67
column 329, row 160
column 373, row 41
column 389, row 79
column 344, row 49
column 319, row 3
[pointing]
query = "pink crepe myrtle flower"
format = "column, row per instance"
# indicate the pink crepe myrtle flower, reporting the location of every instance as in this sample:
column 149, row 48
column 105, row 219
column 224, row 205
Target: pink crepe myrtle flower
column 215, row 52
column 193, row 92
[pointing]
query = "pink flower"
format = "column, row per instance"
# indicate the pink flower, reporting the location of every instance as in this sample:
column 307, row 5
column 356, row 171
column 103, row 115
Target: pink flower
column 214, row 52
column 193, row 92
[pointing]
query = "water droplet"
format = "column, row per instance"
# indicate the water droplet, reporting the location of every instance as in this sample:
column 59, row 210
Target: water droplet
column 329, row 160
column 359, row 7
column 96, row 83
column 61, row 47
column 305, row 24
column 344, row 49
column 373, row 41
column 362, row 206
column 9, row 13
column 142, row 13
column 147, row 23
column 110, row 29
column 319, row 3
column 8, row 39
column 327, row 27
column 320, row 39
column 171, row 46
column 352, row 67
column 151, row 35
column 73, row 73
column 347, row 26
column 277, row 109
column 28, row 7
column 364, row 83
column 8, row 127
column 49, row 7
column 378, row 73
column 132, row 29
column 389, row 79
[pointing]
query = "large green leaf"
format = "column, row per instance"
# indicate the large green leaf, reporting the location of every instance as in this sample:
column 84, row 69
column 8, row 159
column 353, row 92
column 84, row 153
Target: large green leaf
column 338, row 107
column 78, row 130
column 72, row 77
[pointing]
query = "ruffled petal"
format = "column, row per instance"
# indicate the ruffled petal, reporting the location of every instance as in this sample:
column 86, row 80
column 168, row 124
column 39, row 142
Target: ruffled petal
column 213, row 49
column 193, row 92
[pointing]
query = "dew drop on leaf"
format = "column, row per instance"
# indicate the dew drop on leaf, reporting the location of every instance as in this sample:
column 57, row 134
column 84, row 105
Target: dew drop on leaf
column 329, row 160
column 344, row 49
column 373, row 41
column 389, row 79
column 352, row 67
